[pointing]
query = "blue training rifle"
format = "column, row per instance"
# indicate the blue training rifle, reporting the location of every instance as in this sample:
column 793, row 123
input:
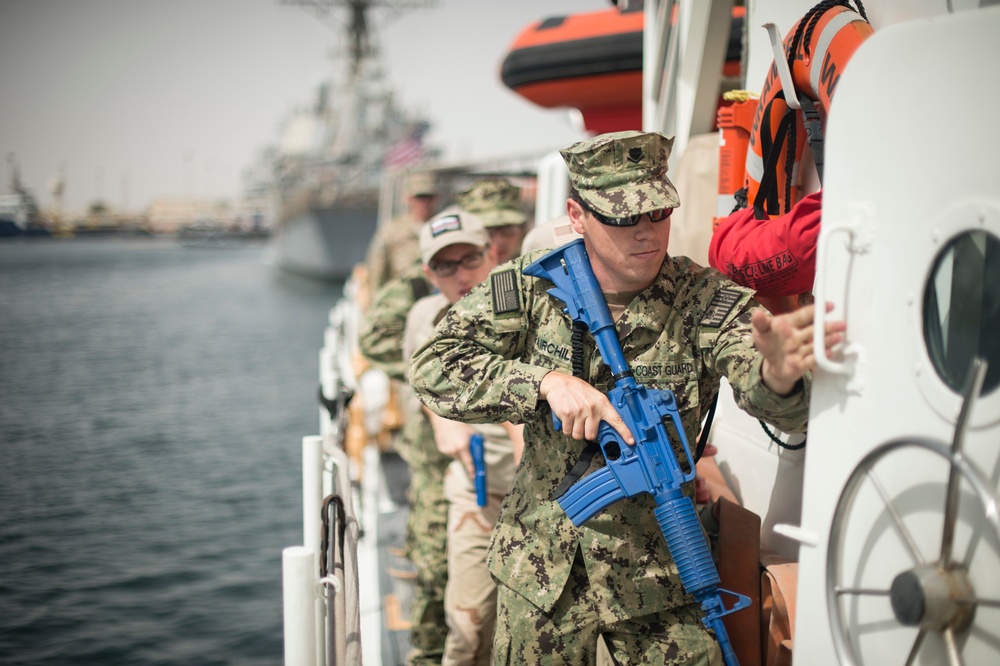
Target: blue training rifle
column 479, row 463
column 648, row 466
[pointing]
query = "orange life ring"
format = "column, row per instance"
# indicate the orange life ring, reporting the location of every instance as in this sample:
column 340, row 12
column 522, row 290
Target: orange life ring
column 818, row 48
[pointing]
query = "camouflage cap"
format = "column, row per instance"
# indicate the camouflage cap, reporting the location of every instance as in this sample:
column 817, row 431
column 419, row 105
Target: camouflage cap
column 622, row 173
column 421, row 184
column 496, row 201
column 451, row 226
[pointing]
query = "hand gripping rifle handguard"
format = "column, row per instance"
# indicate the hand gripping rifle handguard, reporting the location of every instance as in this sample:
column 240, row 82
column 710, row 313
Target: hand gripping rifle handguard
column 477, row 449
column 648, row 466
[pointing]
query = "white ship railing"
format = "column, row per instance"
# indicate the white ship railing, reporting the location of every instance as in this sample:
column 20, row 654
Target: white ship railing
column 324, row 614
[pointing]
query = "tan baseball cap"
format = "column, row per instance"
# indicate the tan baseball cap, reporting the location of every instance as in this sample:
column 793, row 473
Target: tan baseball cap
column 496, row 201
column 451, row 226
column 623, row 173
column 421, row 184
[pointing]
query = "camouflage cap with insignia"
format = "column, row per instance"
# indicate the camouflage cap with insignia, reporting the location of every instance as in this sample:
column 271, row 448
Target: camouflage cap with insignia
column 496, row 201
column 622, row 173
column 451, row 226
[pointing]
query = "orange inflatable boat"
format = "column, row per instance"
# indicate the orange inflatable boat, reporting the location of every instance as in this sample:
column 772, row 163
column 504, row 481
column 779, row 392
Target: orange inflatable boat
column 591, row 62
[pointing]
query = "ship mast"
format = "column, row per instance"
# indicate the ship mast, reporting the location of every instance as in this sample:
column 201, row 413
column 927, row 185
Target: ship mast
column 358, row 26
column 354, row 132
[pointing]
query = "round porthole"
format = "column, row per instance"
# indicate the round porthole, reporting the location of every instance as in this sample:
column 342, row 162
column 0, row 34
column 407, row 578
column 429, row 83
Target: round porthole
column 962, row 309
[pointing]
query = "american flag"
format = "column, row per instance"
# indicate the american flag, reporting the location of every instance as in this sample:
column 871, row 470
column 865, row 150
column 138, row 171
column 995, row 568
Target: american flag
column 408, row 150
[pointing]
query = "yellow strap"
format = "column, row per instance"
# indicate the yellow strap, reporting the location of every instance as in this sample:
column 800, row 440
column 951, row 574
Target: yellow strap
column 739, row 95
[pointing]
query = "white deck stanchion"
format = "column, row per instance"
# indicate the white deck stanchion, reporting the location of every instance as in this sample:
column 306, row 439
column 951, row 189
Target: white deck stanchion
column 312, row 523
column 312, row 494
column 299, row 598
column 328, row 384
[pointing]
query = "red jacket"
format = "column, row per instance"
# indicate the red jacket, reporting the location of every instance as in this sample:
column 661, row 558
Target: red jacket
column 777, row 257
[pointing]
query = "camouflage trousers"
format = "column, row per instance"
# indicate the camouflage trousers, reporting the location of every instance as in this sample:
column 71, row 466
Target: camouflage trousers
column 569, row 634
column 471, row 596
column 426, row 540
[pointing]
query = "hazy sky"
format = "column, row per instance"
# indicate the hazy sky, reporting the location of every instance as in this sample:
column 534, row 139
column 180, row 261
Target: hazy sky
column 141, row 98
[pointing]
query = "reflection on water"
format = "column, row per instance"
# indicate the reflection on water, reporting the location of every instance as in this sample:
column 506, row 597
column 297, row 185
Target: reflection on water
column 152, row 404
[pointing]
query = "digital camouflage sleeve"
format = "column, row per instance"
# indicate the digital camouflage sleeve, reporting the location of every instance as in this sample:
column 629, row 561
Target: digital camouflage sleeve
column 381, row 337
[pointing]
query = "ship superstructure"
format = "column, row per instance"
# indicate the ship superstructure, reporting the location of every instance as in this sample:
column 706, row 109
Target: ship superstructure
column 328, row 169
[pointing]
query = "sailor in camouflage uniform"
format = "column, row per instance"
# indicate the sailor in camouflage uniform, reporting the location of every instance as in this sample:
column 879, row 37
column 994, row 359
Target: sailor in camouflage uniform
column 425, row 541
column 394, row 249
column 505, row 352
column 380, row 339
column 497, row 202
column 457, row 257
column 457, row 238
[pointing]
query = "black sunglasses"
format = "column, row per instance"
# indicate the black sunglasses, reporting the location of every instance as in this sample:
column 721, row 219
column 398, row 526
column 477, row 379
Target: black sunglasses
column 629, row 220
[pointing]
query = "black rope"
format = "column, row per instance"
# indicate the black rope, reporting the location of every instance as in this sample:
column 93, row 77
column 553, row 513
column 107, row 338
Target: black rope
column 784, row 445
column 335, row 405
column 340, row 519
column 789, row 168
column 804, row 31
column 705, row 430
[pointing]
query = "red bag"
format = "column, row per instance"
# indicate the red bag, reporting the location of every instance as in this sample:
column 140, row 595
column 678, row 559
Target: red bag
column 777, row 257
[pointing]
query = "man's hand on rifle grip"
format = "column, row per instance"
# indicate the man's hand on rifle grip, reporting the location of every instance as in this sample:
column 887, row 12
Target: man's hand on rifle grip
column 580, row 407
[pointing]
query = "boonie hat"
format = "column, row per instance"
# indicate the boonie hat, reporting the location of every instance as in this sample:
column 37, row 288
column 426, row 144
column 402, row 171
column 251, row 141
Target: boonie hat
column 451, row 226
column 496, row 201
column 421, row 184
column 622, row 173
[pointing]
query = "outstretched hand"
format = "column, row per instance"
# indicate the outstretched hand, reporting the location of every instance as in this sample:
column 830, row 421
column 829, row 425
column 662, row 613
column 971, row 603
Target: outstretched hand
column 786, row 342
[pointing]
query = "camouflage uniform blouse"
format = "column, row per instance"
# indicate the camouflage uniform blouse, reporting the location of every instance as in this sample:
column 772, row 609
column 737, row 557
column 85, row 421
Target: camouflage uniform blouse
column 380, row 339
column 394, row 250
column 485, row 363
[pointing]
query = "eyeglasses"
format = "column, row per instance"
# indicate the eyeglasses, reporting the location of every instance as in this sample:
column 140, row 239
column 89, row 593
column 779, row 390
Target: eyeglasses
column 629, row 220
column 449, row 268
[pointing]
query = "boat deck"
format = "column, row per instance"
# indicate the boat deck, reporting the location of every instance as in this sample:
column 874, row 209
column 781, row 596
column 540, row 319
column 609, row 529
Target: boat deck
column 385, row 575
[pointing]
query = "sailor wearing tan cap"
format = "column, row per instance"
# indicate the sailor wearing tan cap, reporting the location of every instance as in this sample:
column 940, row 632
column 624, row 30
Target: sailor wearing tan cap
column 457, row 256
column 394, row 249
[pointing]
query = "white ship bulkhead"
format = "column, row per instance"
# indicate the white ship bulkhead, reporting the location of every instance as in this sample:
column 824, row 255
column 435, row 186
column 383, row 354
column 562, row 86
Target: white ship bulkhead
column 912, row 168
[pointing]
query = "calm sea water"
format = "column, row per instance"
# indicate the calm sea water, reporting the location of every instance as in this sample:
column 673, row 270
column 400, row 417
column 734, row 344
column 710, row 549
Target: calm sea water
column 152, row 404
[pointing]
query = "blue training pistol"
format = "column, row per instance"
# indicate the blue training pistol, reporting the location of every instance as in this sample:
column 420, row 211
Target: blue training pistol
column 476, row 447
column 648, row 466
